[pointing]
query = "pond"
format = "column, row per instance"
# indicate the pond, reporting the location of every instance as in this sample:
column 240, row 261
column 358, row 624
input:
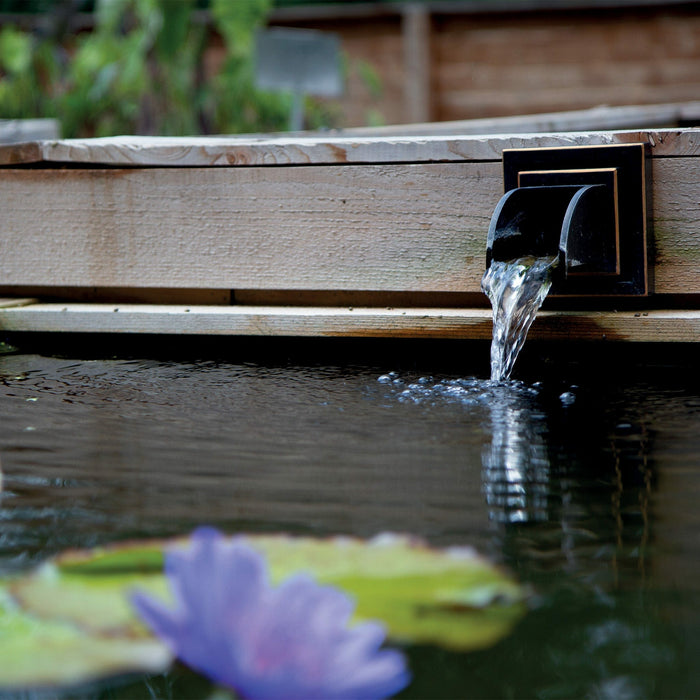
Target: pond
column 580, row 477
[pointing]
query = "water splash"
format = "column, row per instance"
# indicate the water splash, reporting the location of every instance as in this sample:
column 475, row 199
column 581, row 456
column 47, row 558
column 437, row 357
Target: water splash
column 516, row 479
column 516, row 289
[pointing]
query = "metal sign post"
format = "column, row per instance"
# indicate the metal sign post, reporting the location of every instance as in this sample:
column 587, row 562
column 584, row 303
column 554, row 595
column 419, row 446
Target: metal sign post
column 302, row 61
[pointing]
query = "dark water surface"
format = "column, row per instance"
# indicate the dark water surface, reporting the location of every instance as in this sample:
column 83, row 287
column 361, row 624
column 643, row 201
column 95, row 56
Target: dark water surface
column 583, row 479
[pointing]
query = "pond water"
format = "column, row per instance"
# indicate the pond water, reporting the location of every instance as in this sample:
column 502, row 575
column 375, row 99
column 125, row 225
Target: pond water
column 581, row 477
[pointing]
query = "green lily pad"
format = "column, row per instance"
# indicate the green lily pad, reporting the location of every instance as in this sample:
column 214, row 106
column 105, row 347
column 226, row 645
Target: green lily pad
column 38, row 652
column 452, row 598
column 94, row 604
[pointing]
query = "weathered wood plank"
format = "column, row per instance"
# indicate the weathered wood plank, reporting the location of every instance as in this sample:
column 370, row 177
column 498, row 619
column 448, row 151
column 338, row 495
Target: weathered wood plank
column 146, row 151
column 640, row 326
column 563, row 62
column 676, row 225
column 378, row 228
column 375, row 228
column 598, row 118
column 7, row 303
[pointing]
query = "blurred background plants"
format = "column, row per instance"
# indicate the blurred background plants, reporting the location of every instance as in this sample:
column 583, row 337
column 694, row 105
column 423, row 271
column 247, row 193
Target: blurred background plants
column 143, row 67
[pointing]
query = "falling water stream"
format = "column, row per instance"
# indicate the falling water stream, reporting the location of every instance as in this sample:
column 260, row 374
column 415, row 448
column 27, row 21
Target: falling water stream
column 516, row 289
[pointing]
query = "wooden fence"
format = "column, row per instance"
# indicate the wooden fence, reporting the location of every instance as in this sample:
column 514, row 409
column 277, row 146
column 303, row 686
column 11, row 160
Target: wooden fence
column 445, row 61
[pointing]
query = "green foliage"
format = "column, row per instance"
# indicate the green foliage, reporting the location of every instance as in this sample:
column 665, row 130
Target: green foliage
column 142, row 70
column 15, row 51
column 237, row 22
column 23, row 65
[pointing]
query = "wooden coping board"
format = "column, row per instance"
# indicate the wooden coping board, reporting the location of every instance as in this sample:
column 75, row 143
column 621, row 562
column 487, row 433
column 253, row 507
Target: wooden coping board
column 248, row 320
column 358, row 217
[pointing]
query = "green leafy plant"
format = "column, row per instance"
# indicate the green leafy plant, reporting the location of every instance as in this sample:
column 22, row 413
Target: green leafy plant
column 147, row 68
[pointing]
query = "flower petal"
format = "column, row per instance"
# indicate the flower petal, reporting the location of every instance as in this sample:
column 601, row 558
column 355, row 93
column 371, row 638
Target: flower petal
column 164, row 621
column 280, row 643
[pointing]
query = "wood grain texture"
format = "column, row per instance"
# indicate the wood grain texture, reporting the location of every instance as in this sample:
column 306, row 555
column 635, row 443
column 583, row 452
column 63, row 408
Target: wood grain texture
column 676, row 225
column 376, row 228
column 149, row 151
column 641, row 326
column 516, row 64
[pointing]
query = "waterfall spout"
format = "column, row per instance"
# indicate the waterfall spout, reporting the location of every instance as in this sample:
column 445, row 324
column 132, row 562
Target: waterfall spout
column 516, row 290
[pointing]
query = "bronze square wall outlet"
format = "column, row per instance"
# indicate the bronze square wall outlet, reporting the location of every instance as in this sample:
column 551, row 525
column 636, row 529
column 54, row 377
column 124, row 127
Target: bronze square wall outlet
column 610, row 256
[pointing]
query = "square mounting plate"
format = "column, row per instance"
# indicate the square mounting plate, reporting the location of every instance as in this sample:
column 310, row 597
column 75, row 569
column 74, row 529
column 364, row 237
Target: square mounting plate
column 622, row 167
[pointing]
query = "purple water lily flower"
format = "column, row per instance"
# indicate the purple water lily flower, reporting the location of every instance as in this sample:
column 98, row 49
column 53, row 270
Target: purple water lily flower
column 264, row 642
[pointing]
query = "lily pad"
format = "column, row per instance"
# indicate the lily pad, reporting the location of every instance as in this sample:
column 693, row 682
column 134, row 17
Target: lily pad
column 450, row 597
column 39, row 652
column 453, row 598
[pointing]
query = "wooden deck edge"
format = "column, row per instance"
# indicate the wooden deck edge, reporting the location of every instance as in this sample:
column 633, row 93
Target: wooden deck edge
column 629, row 326
column 7, row 303
column 320, row 149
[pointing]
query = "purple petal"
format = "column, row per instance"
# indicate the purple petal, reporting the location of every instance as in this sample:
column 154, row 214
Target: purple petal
column 379, row 677
column 280, row 643
column 165, row 622
column 302, row 605
column 214, row 577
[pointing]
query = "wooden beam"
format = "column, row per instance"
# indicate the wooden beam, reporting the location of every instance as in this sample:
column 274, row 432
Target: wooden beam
column 377, row 228
column 639, row 326
column 8, row 303
column 226, row 152
column 598, row 118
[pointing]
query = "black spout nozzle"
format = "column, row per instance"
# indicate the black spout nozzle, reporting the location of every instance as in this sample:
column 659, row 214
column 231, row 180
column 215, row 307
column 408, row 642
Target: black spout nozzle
column 586, row 205
column 575, row 223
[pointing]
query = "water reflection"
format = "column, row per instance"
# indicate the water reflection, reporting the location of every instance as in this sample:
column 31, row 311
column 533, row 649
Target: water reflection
column 552, row 463
column 516, row 472
column 573, row 500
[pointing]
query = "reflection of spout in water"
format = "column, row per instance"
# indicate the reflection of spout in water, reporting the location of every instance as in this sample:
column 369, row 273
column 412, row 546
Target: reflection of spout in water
column 516, row 290
column 516, row 470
